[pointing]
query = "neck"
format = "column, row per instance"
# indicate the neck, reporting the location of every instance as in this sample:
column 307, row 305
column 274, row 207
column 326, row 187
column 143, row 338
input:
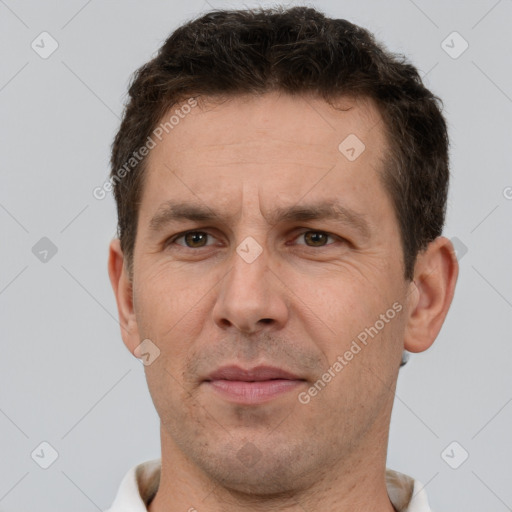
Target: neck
column 354, row 484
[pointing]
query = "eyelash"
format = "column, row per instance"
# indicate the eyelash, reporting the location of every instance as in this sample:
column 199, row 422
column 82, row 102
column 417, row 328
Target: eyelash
column 173, row 239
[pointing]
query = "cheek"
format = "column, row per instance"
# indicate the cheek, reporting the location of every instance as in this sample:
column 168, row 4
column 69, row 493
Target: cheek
column 166, row 298
column 167, row 312
column 167, row 391
column 361, row 322
column 343, row 302
column 359, row 379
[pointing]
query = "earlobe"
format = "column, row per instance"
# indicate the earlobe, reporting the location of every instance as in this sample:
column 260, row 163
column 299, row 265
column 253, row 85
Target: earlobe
column 123, row 291
column 431, row 294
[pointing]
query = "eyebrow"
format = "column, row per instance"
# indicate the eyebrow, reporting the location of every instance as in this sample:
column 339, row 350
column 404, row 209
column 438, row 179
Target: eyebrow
column 171, row 211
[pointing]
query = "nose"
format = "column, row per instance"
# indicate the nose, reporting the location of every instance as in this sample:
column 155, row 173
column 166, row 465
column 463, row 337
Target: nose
column 251, row 297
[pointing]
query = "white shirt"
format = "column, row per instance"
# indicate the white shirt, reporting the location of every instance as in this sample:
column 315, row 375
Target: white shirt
column 140, row 484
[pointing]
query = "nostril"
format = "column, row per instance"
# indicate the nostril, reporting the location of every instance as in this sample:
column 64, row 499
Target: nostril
column 266, row 320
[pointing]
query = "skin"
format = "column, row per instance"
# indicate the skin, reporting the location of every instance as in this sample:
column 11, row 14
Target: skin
column 298, row 305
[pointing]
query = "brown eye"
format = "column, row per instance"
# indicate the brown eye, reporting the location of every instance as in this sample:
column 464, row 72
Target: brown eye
column 316, row 238
column 193, row 239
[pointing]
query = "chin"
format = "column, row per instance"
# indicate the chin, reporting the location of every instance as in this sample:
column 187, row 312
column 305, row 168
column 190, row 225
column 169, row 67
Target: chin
column 267, row 471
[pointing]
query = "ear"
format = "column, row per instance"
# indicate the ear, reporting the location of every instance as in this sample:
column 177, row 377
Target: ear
column 123, row 291
column 430, row 294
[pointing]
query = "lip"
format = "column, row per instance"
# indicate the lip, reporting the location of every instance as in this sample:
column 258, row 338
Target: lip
column 252, row 386
column 256, row 374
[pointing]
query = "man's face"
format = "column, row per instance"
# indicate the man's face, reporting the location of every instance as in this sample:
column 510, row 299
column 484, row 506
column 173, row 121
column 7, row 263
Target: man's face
column 264, row 279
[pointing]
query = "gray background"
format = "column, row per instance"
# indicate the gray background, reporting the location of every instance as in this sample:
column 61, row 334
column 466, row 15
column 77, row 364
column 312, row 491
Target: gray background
column 65, row 376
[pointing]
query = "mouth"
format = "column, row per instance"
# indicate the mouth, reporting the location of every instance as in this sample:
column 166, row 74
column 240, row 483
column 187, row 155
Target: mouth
column 253, row 386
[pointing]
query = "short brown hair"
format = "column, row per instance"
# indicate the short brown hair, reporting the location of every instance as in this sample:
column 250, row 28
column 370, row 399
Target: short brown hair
column 297, row 50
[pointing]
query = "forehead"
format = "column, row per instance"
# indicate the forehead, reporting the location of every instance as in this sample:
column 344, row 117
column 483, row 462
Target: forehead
column 276, row 146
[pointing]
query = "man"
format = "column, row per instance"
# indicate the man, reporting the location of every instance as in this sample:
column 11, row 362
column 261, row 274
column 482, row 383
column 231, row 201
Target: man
column 281, row 186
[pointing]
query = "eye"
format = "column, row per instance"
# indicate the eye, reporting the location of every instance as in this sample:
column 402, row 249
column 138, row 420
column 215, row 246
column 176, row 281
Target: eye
column 192, row 239
column 315, row 238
